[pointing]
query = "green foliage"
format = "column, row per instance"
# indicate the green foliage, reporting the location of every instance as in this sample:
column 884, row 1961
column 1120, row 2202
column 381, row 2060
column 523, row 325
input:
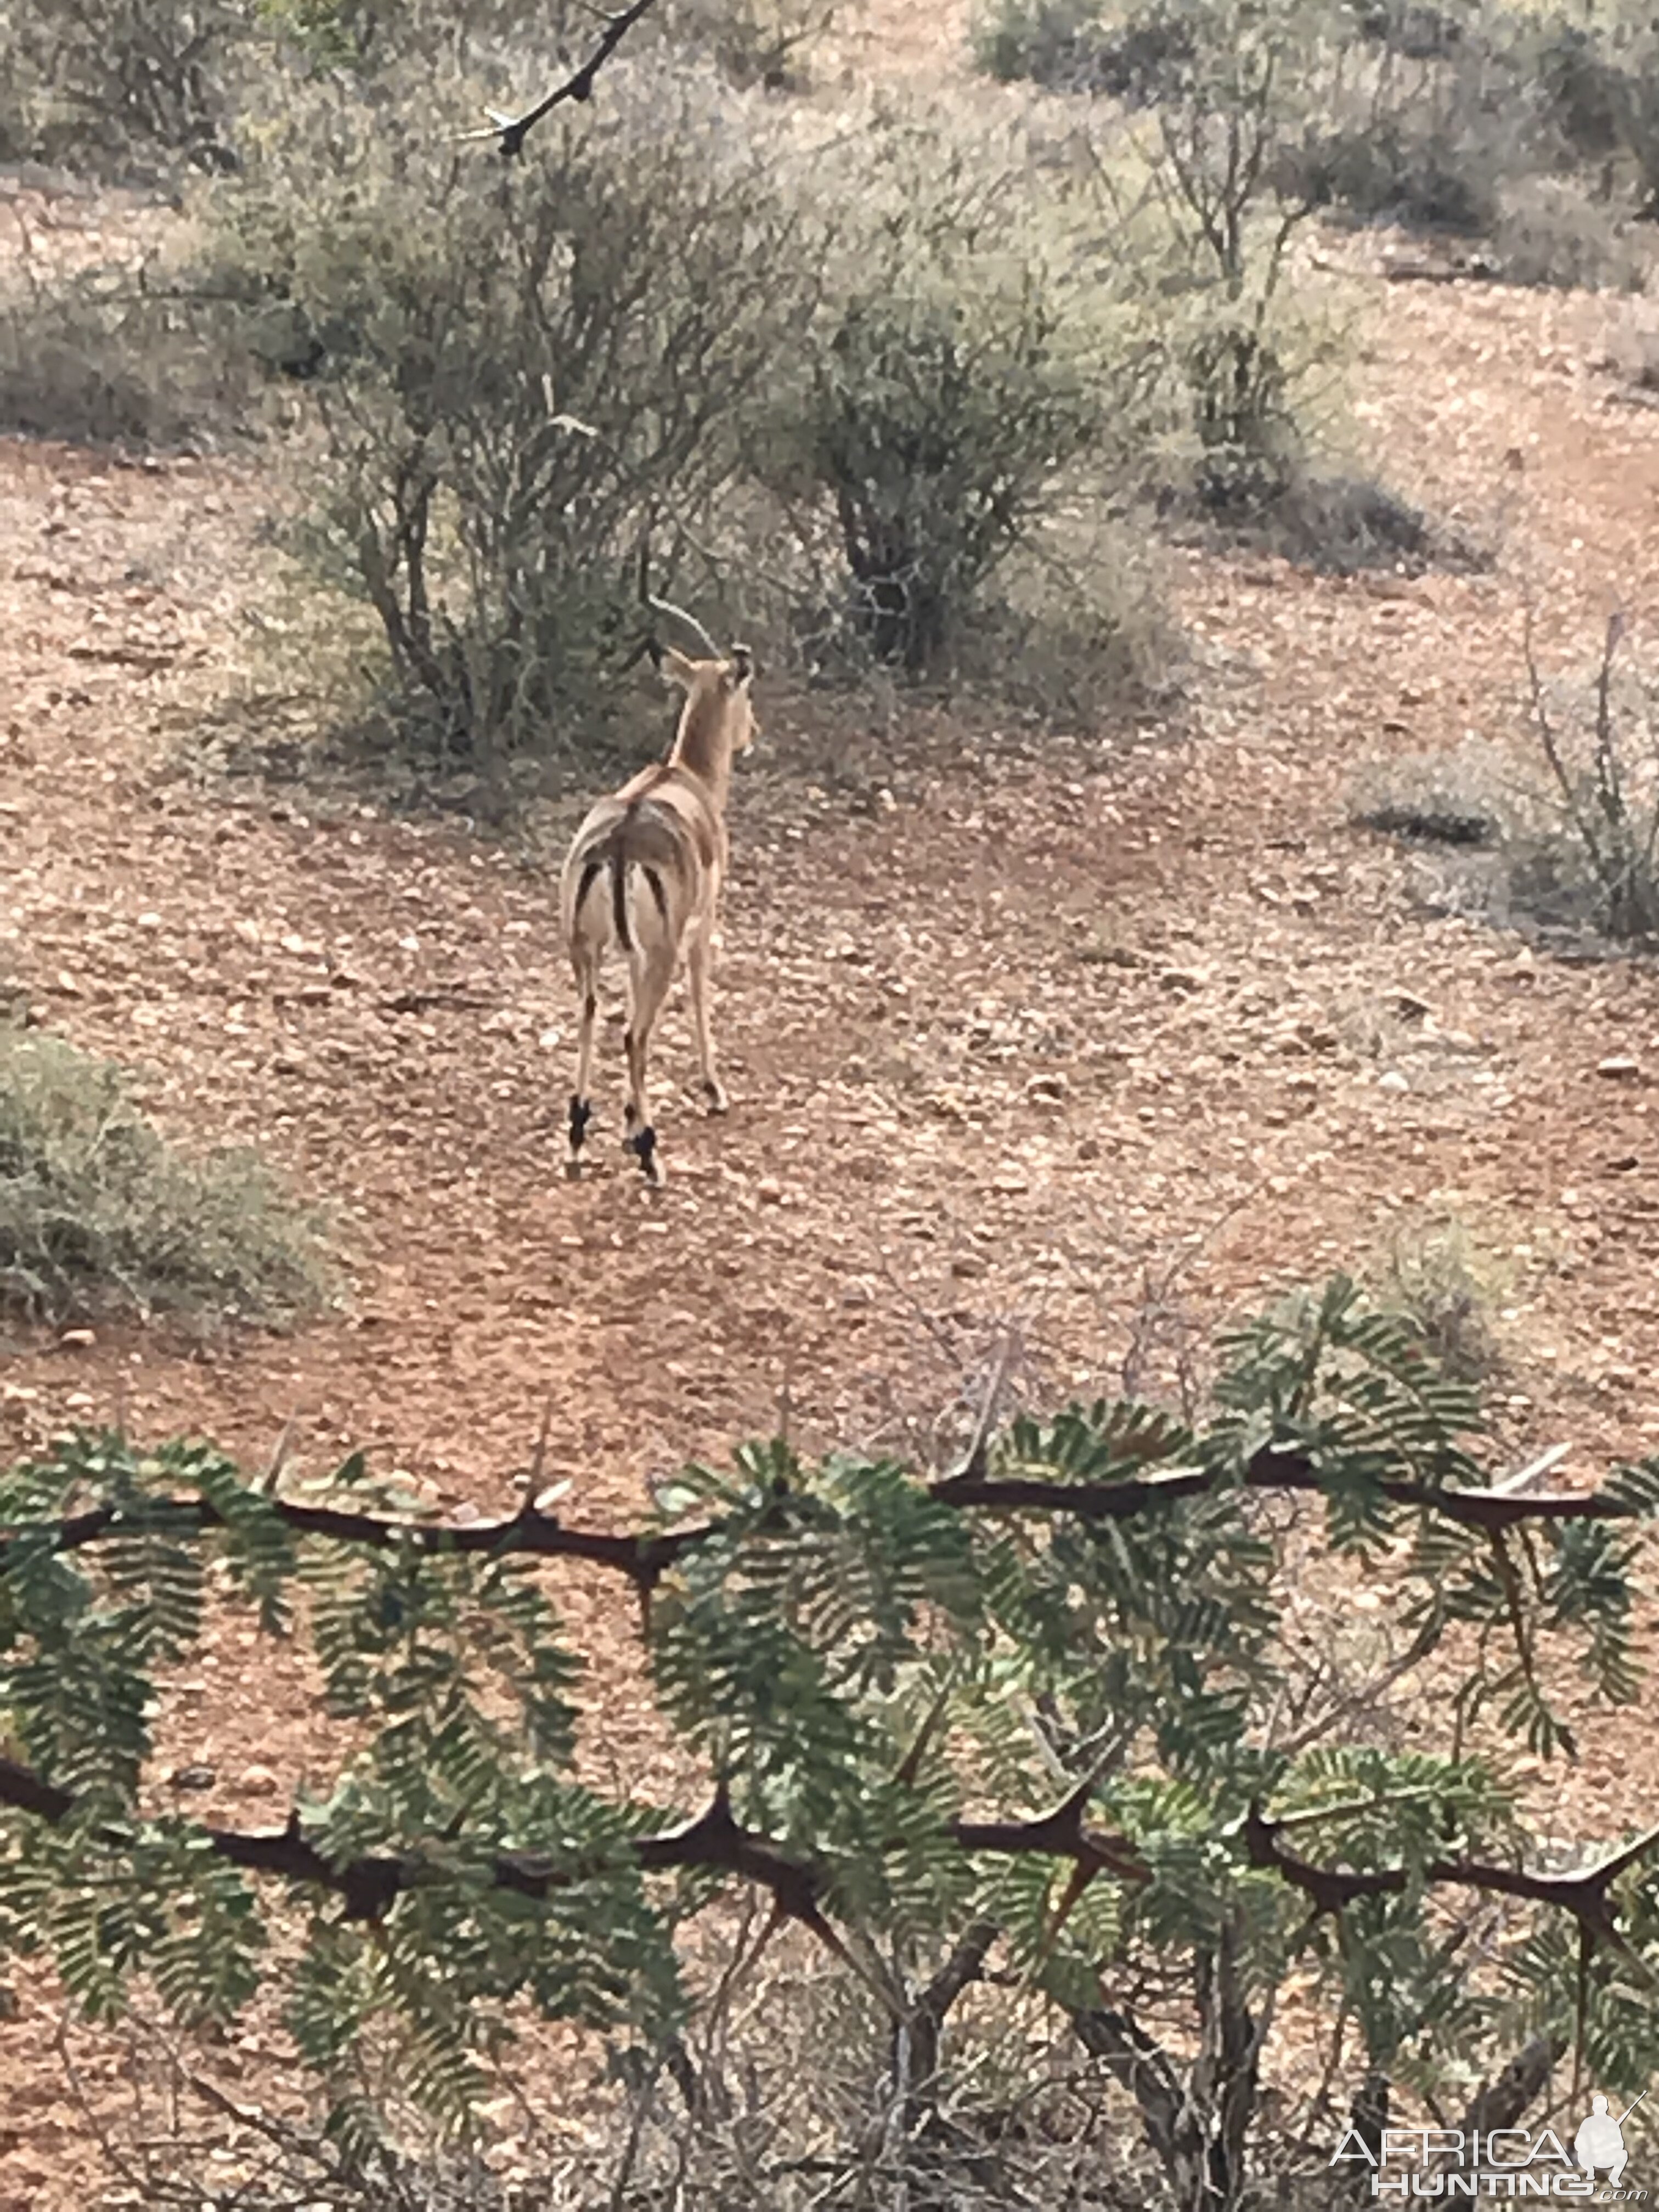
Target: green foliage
column 517, row 371
column 1053, row 43
column 1226, row 100
column 752, row 42
column 1086, row 45
column 960, row 363
column 99, row 1213
column 1435, row 1276
column 103, row 85
column 884, row 1682
column 111, row 357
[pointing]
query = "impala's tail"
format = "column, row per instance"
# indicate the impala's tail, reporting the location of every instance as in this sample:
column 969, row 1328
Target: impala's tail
column 631, row 845
column 619, row 889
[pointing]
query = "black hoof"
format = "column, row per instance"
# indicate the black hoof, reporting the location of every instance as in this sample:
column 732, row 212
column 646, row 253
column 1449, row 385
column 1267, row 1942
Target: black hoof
column 581, row 1113
column 643, row 1143
column 716, row 1095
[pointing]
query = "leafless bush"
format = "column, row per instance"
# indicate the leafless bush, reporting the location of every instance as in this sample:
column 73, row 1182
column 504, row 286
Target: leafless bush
column 1603, row 756
column 791, row 2088
column 1562, row 839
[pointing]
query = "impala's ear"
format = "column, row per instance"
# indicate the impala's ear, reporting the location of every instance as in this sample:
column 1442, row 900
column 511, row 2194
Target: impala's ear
column 673, row 667
column 741, row 667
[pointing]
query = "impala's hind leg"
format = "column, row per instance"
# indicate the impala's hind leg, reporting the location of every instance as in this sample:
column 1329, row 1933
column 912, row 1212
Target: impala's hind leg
column 699, row 962
column 649, row 975
column 581, row 1103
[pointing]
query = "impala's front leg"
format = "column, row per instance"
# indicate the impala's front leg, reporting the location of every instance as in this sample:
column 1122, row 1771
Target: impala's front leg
column 699, row 964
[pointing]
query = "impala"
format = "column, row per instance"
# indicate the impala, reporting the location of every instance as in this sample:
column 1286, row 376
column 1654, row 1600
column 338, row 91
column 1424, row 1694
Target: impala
column 644, row 873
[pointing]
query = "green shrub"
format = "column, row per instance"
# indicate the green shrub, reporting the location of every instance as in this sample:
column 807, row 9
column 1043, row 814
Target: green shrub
column 763, row 42
column 1630, row 51
column 962, row 359
column 1230, row 118
column 1578, row 79
column 1429, row 168
column 1088, row 46
column 1076, row 627
column 937, row 413
column 1434, row 1278
column 104, row 85
column 1054, row 43
column 1414, row 28
column 105, row 358
column 99, row 1213
column 1599, row 743
column 1550, row 232
column 518, row 372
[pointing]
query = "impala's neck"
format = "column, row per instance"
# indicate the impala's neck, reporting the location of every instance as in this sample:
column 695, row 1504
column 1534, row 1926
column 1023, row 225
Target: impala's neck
column 704, row 746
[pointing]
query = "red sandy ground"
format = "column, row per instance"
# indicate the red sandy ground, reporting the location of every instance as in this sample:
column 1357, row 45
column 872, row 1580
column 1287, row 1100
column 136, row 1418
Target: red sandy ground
column 914, row 929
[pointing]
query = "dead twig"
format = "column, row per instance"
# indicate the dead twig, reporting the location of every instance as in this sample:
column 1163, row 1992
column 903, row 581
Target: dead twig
column 512, row 130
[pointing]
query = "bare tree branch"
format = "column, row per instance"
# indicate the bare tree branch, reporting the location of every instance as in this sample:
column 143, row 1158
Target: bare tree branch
column 512, row 130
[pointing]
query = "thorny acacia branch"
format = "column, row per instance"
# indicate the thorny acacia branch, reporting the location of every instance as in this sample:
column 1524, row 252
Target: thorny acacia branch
column 370, row 1885
column 645, row 1555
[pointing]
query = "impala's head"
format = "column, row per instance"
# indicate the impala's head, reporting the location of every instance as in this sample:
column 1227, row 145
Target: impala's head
column 718, row 692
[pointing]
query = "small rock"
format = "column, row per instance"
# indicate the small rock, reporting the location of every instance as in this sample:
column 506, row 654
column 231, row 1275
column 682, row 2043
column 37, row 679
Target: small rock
column 202, row 1777
column 769, row 1191
column 257, row 1781
column 76, row 1340
column 1408, row 1005
column 1181, row 978
column 1302, row 1083
column 1622, row 1162
column 1046, row 1090
column 1392, row 1080
column 149, row 922
column 968, row 1264
column 1619, row 1068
